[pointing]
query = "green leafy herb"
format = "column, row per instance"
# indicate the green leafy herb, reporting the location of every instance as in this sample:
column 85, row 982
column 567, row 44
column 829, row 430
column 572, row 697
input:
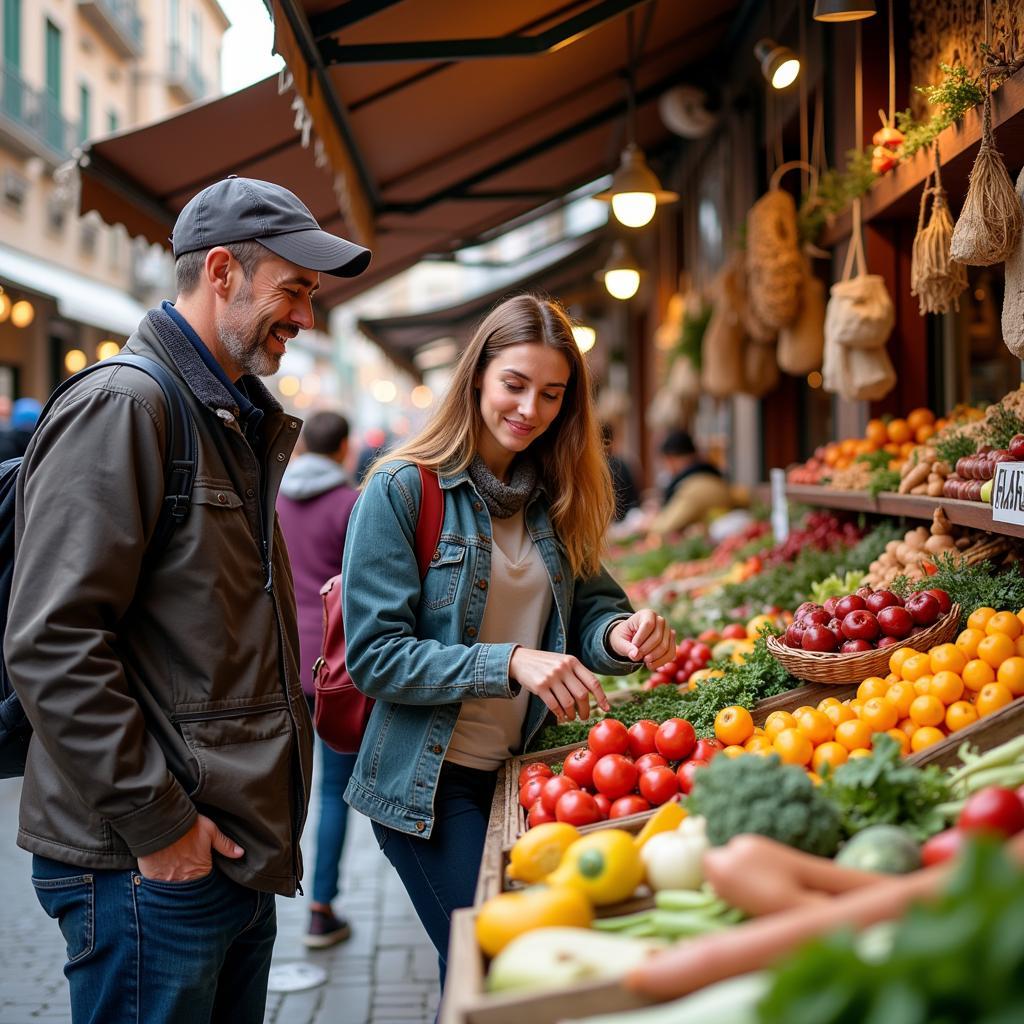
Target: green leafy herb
column 883, row 480
column 958, row 958
column 954, row 447
column 1002, row 426
column 884, row 789
column 875, row 460
column 976, row 586
column 901, row 585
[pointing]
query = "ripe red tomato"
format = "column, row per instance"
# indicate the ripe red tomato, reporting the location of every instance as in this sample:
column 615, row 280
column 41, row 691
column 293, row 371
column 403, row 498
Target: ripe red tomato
column 675, row 739
column 538, row 815
column 649, row 761
column 686, row 772
column 579, row 766
column 609, row 736
column 701, row 653
column 577, row 808
column 641, row 737
column 553, row 789
column 529, row 792
column 705, row 750
column 993, row 809
column 942, row 847
column 614, row 776
column 528, row 771
column 603, row 803
column 627, row 805
column 659, row 785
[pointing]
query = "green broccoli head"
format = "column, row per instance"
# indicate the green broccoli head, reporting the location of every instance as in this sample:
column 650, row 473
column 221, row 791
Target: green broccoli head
column 752, row 793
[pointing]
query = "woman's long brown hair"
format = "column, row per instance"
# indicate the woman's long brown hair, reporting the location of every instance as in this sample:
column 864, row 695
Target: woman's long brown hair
column 569, row 454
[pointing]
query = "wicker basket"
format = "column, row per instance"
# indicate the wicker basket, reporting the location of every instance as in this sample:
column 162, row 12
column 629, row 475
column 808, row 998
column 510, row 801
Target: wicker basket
column 852, row 668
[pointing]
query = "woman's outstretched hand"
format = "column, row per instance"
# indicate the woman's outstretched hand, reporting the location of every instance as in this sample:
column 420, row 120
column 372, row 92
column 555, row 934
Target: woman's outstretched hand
column 563, row 682
column 645, row 636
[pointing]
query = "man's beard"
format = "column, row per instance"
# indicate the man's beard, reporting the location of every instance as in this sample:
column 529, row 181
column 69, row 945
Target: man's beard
column 245, row 340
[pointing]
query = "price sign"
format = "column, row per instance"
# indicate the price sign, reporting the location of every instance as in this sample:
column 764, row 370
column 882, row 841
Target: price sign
column 1008, row 493
column 780, row 506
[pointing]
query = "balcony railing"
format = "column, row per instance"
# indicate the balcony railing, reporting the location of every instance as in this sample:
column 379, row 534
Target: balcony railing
column 117, row 21
column 31, row 121
column 184, row 75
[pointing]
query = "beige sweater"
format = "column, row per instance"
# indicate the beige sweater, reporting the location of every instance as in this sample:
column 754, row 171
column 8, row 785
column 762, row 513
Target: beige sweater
column 519, row 597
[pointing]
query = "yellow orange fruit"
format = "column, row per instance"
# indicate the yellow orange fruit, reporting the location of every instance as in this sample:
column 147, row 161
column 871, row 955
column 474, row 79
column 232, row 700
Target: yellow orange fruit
column 927, row 710
column 960, row 714
column 924, row 737
column 907, row 725
column 876, row 433
column 815, row 725
column 854, row 735
column 733, row 725
column 840, row 713
column 923, row 433
column 967, row 642
column 915, row 666
column 793, row 747
column 947, row 686
column 892, row 678
column 880, row 714
column 734, row 750
column 855, row 706
column 947, row 658
column 901, row 695
column 873, row 686
column 860, row 752
column 1020, row 645
column 777, row 721
column 901, row 738
column 996, row 648
column 758, row 745
column 921, row 417
column 978, row 619
column 977, row 673
column 831, row 753
column 899, row 431
column 922, row 685
column 829, row 702
column 897, row 658
column 1005, row 622
column 1011, row 675
column 992, row 698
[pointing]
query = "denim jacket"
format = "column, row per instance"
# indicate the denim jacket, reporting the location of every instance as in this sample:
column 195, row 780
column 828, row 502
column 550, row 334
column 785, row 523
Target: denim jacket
column 411, row 645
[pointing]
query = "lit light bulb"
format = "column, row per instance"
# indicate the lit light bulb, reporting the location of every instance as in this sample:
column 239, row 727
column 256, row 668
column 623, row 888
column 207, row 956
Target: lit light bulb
column 622, row 283
column 22, row 313
column 384, row 391
column 634, row 209
column 585, row 336
column 106, row 349
column 421, row 396
column 289, row 386
column 786, row 73
column 5, row 307
column 75, row 360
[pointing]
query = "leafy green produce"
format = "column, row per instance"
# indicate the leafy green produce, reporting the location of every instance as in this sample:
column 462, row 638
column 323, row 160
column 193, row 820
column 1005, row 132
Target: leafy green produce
column 1003, row 424
column 644, row 565
column 835, row 585
column 888, row 848
column 954, row 447
column 677, row 914
column 752, row 793
column 883, row 479
column 960, row 958
column 976, row 586
column 885, row 789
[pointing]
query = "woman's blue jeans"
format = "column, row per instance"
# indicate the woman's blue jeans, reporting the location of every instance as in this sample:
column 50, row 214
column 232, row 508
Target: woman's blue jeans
column 440, row 873
column 160, row 952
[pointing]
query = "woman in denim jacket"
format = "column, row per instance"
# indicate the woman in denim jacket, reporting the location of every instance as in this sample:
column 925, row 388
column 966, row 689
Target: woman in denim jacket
column 514, row 615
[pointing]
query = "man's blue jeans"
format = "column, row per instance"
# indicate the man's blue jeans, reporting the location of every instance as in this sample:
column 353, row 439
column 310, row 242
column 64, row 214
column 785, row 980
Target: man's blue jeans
column 440, row 873
column 144, row 952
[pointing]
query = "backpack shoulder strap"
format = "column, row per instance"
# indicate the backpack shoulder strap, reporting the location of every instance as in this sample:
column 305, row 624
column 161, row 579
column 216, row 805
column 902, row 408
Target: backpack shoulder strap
column 180, row 449
column 430, row 519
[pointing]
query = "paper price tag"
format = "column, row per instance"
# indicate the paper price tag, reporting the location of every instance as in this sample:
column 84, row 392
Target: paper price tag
column 1008, row 493
column 780, row 505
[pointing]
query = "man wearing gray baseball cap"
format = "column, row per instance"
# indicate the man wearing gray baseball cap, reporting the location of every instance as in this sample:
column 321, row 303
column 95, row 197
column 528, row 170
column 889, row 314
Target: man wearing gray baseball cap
column 153, row 643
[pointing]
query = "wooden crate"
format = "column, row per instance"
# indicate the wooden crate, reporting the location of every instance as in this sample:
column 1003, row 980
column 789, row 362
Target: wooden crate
column 985, row 733
column 466, row 1002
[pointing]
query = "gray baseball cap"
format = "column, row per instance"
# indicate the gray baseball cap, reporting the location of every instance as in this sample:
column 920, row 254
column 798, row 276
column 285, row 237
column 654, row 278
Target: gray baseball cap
column 244, row 209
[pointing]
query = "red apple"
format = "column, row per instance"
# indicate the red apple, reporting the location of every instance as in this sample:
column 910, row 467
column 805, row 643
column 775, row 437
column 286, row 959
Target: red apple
column 830, row 605
column 1017, row 447
column 860, row 624
column 864, row 592
column 895, row 621
column 855, row 647
column 710, row 636
column 701, row 653
column 807, row 606
column 818, row 637
column 850, row 603
column 795, row 634
column 888, row 641
column 945, row 602
column 881, row 599
column 734, row 631
column 923, row 607
column 818, row 617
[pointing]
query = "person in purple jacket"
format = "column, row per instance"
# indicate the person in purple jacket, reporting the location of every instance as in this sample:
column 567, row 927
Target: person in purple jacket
column 314, row 506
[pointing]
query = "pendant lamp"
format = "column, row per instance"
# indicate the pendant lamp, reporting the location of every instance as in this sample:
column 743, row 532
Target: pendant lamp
column 621, row 273
column 779, row 64
column 844, row 10
column 635, row 191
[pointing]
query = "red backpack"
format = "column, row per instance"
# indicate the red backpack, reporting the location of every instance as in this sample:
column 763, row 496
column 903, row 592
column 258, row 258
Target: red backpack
column 342, row 711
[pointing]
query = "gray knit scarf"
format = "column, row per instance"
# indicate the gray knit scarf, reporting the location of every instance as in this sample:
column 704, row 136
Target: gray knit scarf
column 504, row 500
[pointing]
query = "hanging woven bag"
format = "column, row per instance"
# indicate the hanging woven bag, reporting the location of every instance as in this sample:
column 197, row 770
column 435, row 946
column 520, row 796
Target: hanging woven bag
column 801, row 345
column 991, row 220
column 1013, row 294
column 774, row 262
column 936, row 279
column 721, row 372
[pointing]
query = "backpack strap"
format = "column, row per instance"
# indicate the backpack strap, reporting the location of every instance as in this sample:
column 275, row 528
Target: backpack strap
column 180, row 448
column 430, row 520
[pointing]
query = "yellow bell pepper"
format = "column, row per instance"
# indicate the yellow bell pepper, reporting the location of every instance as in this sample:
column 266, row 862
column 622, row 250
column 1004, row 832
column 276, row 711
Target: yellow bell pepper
column 508, row 915
column 667, row 818
column 605, row 865
column 539, row 851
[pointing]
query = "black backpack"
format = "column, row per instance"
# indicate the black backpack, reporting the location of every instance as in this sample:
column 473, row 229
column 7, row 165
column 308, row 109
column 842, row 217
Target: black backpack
column 179, row 474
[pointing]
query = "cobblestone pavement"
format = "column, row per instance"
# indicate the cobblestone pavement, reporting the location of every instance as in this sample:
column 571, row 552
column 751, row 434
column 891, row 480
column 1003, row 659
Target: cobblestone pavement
column 386, row 973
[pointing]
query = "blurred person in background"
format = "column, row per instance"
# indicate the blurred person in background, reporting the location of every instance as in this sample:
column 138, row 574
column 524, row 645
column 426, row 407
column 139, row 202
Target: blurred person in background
column 695, row 489
column 623, row 481
column 314, row 507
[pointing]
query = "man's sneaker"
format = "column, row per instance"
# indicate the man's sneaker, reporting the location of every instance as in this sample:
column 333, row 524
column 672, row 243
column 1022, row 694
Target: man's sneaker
column 325, row 930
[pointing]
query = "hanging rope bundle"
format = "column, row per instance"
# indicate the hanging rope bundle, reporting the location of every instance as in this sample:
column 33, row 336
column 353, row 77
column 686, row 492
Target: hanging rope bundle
column 935, row 277
column 1013, row 295
column 991, row 220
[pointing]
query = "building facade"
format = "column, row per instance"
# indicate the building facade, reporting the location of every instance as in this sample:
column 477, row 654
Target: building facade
column 71, row 70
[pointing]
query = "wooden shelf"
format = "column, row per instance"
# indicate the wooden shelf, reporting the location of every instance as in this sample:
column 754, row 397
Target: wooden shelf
column 897, row 195
column 974, row 514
